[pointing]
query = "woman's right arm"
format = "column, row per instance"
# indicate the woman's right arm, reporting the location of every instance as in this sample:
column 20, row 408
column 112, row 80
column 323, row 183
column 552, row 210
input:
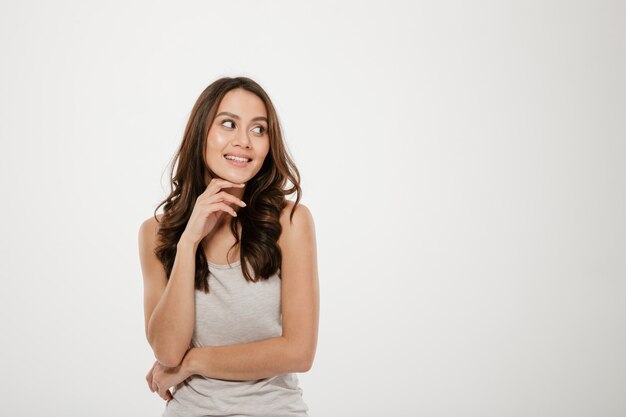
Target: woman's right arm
column 169, row 305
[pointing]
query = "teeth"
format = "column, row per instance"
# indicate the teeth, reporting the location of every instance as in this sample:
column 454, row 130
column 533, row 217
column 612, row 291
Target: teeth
column 236, row 158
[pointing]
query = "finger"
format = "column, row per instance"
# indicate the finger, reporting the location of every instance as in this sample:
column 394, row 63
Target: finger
column 149, row 380
column 219, row 206
column 219, row 183
column 228, row 209
column 163, row 393
column 149, row 374
column 149, row 377
column 224, row 196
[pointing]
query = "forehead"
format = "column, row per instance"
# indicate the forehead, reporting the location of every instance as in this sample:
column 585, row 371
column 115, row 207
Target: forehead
column 242, row 103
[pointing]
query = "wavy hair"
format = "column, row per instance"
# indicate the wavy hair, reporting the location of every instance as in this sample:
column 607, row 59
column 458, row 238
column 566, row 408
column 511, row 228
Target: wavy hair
column 265, row 194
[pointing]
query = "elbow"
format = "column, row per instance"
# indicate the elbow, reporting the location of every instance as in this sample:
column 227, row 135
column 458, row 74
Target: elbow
column 301, row 354
column 166, row 352
column 304, row 362
column 168, row 361
column 168, row 357
column 304, row 365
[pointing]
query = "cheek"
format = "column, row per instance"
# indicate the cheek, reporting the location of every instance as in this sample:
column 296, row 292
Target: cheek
column 263, row 152
column 266, row 148
column 215, row 143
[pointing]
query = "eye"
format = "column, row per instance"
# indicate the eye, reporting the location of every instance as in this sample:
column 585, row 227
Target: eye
column 262, row 129
column 228, row 121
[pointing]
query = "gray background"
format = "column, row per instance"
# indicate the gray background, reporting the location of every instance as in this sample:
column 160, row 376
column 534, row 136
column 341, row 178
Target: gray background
column 465, row 164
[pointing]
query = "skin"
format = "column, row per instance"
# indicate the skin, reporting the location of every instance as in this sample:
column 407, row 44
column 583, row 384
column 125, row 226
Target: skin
column 169, row 305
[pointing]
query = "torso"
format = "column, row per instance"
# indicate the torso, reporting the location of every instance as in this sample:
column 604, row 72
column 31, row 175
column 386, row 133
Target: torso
column 235, row 312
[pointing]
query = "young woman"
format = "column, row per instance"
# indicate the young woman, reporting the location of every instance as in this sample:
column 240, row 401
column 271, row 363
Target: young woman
column 231, row 294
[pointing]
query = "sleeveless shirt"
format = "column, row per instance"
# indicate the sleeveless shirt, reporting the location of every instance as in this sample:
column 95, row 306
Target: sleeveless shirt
column 237, row 311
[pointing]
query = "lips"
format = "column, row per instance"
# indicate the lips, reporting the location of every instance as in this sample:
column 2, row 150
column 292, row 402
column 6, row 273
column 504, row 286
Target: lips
column 238, row 155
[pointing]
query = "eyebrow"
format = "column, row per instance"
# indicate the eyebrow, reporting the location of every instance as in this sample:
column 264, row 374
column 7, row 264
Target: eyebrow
column 234, row 116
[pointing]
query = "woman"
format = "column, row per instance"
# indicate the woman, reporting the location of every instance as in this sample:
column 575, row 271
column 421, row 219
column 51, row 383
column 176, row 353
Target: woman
column 231, row 294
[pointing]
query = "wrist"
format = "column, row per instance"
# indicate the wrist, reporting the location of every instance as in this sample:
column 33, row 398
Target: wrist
column 189, row 363
column 186, row 243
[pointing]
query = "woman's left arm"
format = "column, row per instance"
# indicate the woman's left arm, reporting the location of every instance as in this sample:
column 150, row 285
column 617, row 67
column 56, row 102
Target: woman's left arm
column 294, row 351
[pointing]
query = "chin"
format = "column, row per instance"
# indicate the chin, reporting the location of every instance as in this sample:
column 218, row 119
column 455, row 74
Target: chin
column 236, row 179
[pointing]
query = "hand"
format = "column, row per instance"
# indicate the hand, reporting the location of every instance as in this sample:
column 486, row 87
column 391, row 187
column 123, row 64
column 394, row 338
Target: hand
column 209, row 207
column 160, row 379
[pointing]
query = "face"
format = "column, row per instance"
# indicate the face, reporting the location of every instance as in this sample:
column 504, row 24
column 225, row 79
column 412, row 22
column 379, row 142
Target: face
column 239, row 130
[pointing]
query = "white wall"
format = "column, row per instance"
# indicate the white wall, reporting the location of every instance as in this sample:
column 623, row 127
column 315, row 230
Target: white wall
column 465, row 164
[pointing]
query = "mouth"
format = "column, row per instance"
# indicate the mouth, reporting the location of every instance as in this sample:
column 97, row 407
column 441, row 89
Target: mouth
column 237, row 161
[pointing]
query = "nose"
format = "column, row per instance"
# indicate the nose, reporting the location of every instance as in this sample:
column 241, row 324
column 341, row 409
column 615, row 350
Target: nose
column 241, row 137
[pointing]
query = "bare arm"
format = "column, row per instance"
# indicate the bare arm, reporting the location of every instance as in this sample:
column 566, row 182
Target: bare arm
column 294, row 351
column 169, row 305
column 244, row 362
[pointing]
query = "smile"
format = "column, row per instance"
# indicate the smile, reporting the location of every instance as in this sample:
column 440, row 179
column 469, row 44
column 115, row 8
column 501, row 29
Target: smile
column 236, row 161
column 237, row 158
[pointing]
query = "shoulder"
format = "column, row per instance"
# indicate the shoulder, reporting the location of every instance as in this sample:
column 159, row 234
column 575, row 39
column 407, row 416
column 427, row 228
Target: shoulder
column 302, row 216
column 296, row 227
column 148, row 231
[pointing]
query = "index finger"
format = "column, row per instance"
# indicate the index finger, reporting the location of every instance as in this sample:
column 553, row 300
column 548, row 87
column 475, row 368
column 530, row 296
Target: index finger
column 220, row 183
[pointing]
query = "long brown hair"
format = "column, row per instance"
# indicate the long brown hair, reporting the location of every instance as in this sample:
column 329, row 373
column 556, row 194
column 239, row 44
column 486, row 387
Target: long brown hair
column 264, row 194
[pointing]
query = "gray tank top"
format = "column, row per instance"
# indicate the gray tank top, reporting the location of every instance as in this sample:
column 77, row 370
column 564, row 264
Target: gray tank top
column 237, row 311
